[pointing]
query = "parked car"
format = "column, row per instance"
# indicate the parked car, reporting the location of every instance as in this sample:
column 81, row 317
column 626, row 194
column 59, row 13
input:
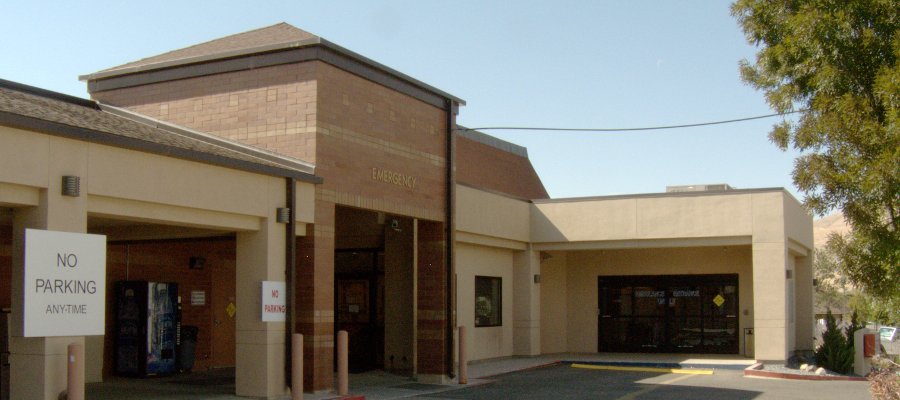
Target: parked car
column 888, row 333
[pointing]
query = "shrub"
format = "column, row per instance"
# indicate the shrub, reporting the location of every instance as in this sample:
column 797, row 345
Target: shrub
column 836, row 352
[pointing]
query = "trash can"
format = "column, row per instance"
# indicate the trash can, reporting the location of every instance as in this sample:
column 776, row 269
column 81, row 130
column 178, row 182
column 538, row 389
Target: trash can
column 748, row 342
column 188, row 348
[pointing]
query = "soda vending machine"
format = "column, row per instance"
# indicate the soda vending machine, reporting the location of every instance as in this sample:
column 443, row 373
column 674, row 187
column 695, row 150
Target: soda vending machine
column 146, row 321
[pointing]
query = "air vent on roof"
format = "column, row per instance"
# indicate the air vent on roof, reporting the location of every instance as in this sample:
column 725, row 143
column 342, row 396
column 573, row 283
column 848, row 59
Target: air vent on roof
column 719, row 187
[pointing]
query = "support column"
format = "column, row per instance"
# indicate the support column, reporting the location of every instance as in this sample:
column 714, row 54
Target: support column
column 431, row 298
column 38, row 365
column 770, row 301
column 260, row 346
column 526, row 303
column 315, row 298
column 803, row 293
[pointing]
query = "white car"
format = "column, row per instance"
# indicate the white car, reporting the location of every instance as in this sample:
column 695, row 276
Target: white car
column 888, row 333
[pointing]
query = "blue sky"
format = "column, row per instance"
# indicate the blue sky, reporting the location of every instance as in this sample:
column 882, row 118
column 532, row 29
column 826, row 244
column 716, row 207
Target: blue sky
column 603, row 64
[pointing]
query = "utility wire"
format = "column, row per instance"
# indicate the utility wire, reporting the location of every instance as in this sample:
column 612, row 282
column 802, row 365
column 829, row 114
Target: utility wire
column 650, row 128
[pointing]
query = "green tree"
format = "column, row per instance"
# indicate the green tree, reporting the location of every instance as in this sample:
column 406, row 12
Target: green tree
column 836, row 60
column 835, row 353
column 832, row 290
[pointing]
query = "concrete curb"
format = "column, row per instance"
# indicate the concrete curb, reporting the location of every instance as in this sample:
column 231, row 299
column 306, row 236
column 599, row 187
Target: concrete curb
column 756, row 370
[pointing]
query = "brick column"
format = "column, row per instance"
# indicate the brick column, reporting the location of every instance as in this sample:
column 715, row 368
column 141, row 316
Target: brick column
column 431, row 303
column 315, row 299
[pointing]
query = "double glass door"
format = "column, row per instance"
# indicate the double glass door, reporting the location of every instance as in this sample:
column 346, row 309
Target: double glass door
column 668, row 314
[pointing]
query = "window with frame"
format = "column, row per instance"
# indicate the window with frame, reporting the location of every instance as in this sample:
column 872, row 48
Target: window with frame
column 488, row 293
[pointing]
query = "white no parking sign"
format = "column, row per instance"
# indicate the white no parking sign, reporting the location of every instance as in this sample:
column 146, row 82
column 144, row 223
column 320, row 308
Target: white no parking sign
column 65, row 284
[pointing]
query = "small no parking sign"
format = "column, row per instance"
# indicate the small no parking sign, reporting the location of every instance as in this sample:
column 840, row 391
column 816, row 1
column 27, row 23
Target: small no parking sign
column 274, row 301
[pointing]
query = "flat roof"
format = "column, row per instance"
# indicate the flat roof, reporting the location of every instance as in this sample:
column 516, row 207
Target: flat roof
column 663, row 194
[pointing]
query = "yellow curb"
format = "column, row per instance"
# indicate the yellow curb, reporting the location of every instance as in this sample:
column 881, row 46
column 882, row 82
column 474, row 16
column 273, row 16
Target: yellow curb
column 698, row 371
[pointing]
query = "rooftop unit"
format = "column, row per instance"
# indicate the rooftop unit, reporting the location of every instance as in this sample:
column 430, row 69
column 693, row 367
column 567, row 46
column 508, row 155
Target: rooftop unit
column 716, row 187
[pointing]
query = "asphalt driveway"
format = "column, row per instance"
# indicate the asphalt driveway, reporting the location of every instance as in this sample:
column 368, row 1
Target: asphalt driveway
column 564, row 382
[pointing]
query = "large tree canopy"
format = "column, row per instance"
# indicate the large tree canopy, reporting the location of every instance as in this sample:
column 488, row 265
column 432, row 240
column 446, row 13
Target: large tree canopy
column 837, row 60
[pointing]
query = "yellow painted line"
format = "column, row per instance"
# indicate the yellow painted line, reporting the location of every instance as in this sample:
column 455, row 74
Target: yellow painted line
column 698, row 371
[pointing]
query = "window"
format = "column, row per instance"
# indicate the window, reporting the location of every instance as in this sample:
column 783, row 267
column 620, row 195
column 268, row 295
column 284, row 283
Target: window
column 487, row 301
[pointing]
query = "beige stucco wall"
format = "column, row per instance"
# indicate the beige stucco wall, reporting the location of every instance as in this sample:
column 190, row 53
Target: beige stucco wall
column 472, row 260
column 767, row 232
column 491, row 216
column 142, row 186
column 127, row 185
column 554, row 304
column 584, row 267
column 607, row 219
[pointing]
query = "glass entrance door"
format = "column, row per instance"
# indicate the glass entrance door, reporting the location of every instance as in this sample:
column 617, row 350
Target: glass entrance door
column 668, row 313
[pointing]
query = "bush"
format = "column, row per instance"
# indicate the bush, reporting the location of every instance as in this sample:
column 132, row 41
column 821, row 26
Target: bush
column 836, row 352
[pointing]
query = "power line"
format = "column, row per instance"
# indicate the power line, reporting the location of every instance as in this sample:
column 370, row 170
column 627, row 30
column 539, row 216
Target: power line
column 650, row 128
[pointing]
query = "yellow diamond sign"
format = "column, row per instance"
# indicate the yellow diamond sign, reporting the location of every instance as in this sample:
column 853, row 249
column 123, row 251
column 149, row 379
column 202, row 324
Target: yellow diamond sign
column 230, row 310
column 718, row 300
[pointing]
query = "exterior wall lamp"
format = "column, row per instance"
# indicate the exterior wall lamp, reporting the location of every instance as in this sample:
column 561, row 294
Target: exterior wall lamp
column 71, row 186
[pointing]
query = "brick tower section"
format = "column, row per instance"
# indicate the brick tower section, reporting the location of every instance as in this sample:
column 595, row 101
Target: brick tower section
column 431, row 299
column 376, row 149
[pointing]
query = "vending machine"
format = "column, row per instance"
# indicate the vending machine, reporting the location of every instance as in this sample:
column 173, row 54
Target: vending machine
column 146, row 321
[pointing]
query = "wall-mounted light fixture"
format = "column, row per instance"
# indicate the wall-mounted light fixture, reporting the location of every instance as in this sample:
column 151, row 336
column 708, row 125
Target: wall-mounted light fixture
column 283, row 215
column 197, row 262
column 71, row 186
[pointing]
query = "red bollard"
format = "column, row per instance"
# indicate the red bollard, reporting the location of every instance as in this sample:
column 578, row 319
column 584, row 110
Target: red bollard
column 463, row 358
column 297, row 367
column 75, row 372
column 343, row 386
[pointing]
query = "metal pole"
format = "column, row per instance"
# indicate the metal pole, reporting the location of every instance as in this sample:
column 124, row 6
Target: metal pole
column 297, row 367
column 343, row 386
column 290, row 275
column 463, row 357
column 75, row 372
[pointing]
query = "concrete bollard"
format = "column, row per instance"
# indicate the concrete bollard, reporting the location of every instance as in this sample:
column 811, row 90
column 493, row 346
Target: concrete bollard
column 343, row 384
column 463, row 357
column 862, row 360
column 75, row 372
column 297, row 367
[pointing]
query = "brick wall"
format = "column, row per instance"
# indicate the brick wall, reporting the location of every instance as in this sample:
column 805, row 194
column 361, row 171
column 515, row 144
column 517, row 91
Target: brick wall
column 486, row 167
column 273, row 108
column 362, row 125
column 168, row 261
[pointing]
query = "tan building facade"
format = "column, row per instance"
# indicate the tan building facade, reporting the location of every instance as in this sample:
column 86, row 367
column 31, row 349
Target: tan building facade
column 405, row 226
